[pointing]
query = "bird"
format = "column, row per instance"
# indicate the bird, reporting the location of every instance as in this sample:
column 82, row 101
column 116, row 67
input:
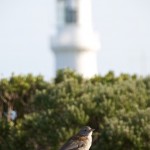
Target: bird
column 81, row 141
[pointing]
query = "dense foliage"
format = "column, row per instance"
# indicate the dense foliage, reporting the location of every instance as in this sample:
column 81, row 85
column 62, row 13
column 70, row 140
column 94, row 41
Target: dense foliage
column 48, row 113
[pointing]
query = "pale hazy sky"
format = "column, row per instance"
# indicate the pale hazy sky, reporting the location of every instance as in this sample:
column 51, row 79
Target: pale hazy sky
column 26, row 26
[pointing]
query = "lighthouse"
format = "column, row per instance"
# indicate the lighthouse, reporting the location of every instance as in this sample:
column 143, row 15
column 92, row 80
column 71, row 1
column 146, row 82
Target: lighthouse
column 75, row 44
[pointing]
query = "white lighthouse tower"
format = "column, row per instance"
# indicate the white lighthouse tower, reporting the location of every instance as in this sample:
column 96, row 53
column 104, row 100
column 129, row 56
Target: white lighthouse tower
column 75, row 44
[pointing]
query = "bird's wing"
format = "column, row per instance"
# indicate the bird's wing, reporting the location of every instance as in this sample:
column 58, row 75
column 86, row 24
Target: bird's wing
column 73, row 144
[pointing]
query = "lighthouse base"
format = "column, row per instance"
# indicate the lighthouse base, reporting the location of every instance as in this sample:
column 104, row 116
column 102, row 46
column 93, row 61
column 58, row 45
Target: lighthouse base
column 85, row 63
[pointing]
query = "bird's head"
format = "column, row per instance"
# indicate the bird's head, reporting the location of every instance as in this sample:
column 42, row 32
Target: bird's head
column 85, row 131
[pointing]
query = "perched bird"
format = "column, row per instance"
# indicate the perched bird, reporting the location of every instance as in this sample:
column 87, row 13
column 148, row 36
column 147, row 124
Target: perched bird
column 81, row 141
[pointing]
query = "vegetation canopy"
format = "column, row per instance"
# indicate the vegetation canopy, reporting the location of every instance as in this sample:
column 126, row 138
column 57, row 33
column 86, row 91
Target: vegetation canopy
column 48, row 113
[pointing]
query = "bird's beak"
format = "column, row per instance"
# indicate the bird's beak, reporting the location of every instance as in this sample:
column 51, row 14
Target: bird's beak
column 92, row 130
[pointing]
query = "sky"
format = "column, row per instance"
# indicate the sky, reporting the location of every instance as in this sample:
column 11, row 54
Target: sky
column 26, row 27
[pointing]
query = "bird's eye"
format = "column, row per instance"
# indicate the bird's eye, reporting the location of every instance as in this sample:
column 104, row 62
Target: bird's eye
column 84, row 129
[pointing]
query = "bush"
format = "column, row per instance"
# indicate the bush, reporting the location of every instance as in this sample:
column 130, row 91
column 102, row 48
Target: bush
column 117, row 107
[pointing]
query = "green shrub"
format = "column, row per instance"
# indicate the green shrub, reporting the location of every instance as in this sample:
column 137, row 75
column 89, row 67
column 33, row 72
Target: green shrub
column 50, row 112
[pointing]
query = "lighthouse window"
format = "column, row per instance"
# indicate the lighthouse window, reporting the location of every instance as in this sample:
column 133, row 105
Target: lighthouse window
column 71, row 16
column 70, row 11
